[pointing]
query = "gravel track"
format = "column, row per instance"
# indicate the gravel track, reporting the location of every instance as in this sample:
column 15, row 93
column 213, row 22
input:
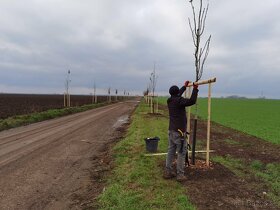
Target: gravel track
column 45, row 165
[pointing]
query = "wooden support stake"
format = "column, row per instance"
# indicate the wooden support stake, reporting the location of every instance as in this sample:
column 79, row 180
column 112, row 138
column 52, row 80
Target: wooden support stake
column 152, row 104
column 69, row 101
column 189, row 121
column 202, row 82
column 157, row 103
column 164, row 153
column 64, row 100
column 189, row 116
column 208, row 125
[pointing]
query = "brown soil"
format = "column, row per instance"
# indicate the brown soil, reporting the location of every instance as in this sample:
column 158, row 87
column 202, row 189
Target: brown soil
column 102, row 164
column 19, row 104
column 219, row 188
column 61, row 163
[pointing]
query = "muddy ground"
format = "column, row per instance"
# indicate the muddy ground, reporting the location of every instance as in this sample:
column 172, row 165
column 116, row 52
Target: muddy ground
column 60, row 163
column 220, row 188
column 102, row 165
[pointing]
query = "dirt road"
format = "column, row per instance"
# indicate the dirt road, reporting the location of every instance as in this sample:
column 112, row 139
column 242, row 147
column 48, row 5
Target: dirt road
column 55, row 164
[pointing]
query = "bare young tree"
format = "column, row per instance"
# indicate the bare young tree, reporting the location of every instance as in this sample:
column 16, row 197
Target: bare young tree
column 197, row 27
column 109, row 94
column 94, row 96
column 153, row 83
column 67, row 94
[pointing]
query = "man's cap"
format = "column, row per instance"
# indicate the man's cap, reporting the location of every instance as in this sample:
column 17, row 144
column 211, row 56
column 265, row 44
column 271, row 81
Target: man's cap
column 174, row 90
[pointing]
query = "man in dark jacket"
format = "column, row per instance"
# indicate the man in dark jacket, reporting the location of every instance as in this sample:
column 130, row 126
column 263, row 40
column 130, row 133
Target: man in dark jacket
column 177, row 129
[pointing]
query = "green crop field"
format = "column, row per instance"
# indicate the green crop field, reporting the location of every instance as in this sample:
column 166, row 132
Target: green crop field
column 257, row 117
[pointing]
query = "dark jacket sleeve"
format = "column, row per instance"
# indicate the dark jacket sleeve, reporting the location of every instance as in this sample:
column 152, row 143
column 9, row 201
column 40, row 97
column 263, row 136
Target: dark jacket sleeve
column 189, row 101
column 181, row 91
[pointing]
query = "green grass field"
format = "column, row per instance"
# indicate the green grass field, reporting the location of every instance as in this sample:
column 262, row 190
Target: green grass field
column 257, row 117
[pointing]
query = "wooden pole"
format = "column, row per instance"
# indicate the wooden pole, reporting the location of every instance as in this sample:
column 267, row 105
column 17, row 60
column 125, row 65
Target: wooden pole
column 189, row 121
column 157, row 103
column 203, row 82
column 69, row 100
column 189, row 117
column 152, row 104
column 64, row 99
column 208, row 125
column 165, row 153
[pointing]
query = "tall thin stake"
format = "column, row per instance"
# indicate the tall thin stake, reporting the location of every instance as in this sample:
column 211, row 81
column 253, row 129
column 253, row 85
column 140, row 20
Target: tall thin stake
column 208, row 124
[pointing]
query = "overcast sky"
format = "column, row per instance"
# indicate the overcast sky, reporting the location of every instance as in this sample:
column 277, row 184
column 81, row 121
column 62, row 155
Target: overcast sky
column 116, row 42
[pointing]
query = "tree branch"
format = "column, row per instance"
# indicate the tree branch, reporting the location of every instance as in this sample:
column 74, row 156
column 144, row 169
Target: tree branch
column 199, row 23
column 193, row 37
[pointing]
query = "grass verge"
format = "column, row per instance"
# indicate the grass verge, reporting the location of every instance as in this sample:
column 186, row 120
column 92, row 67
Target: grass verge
column 21, row 120
column 269, row 174
column 136, row 182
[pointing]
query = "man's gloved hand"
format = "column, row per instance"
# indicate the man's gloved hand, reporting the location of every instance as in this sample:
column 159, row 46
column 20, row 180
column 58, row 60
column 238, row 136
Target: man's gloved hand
column 187, row 83
column 195, row 86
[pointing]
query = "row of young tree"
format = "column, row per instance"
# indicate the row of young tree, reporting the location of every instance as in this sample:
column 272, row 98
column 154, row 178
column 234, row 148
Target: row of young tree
column 149, row 93
column 110, row 93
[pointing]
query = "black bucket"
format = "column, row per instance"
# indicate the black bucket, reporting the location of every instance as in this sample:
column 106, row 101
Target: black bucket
column 152, row 144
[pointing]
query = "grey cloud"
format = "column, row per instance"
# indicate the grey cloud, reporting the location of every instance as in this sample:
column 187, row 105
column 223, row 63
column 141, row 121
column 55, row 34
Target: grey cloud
column 116, row 42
